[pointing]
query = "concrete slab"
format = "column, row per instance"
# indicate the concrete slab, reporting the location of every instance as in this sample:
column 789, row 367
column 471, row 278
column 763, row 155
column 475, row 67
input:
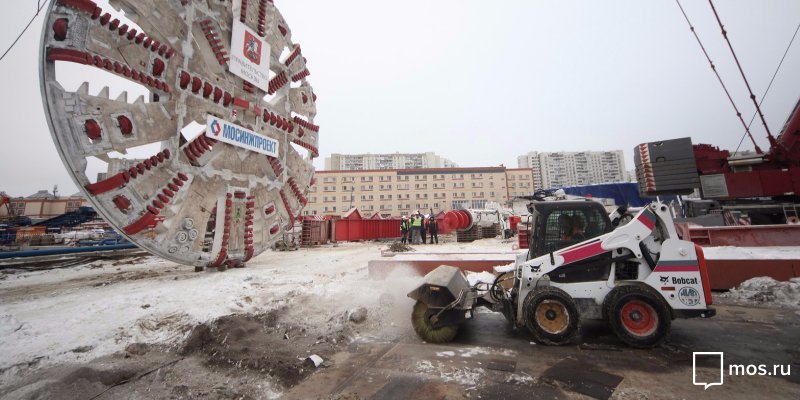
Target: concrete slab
column 582, row 379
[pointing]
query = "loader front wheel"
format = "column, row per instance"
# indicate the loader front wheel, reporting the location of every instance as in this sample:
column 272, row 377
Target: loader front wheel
column 637, row 316
column 551, row 316
column 420, row 320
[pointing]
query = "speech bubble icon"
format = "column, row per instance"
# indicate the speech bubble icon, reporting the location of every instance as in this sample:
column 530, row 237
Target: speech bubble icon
column 712, row 357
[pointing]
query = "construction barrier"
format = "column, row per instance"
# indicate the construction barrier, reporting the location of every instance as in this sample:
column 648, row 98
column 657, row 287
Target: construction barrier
column 727, row 274
column 353, row 227
column 741, row 236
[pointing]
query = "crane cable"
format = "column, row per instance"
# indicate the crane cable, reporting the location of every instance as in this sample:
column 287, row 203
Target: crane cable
column 39, row 6
column 770, row 85
column 714, row 68
column 772, row 141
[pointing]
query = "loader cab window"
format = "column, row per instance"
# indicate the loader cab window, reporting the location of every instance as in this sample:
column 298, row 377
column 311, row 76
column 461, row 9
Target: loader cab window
column 565, row 228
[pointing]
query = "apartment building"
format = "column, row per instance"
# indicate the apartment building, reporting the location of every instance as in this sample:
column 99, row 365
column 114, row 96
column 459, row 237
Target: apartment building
column 553, row 170
column 399, row 192
column 341, row 162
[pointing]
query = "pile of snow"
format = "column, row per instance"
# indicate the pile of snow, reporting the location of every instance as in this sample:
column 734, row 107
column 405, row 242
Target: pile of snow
column 475, row 278
column 767, row 290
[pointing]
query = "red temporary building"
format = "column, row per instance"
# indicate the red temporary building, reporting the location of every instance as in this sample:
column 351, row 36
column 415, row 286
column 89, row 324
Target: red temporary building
column 353, row 227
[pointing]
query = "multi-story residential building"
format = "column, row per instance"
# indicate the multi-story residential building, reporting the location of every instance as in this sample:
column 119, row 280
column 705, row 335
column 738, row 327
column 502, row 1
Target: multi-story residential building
column 398, row 192
column 553, row 170
column 341, row 162
column 43, row 205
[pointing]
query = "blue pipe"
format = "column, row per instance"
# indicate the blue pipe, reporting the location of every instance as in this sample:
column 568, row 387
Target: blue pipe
column 64, row 250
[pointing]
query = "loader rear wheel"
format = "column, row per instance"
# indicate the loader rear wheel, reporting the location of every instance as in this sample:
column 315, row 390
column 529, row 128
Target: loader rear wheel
column 420, row 320
column 637, row 315
column 551, row 316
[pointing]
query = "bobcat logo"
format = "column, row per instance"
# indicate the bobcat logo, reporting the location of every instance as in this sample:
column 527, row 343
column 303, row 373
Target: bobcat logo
column 664, row 279
column 252, row 48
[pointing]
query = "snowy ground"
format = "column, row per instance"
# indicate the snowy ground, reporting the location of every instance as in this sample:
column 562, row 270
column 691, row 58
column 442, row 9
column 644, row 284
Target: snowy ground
column 100, row 308
column 80, row 314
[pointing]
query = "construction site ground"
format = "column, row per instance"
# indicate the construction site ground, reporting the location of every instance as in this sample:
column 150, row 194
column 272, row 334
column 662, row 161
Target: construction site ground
column 147, row 328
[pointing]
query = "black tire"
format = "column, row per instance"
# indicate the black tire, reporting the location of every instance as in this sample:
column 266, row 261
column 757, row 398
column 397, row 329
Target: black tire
column 422, row 325
column 551, row 316
column 637, row 315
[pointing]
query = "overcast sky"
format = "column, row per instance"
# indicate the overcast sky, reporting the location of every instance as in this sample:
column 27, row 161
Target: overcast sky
column 481, row 82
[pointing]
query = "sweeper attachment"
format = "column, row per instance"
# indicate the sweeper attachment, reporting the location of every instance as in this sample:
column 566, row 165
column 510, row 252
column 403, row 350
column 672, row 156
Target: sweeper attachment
column 633, row 272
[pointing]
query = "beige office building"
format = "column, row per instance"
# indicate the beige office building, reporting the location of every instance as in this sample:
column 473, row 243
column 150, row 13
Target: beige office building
column 397, row 192
column 42, row 205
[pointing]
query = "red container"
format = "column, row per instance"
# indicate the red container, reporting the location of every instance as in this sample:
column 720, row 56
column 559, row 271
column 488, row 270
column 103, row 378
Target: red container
column 523, row 235
column 352, row 227
column 513, row 220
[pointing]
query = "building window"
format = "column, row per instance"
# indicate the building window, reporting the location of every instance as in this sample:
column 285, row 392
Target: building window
column 458, row 204
column 479, row 204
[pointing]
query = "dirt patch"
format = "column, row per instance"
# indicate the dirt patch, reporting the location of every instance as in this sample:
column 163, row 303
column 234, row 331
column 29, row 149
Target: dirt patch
column 73, row 382
column 235, row 356
column 258, row 343
column 399, row 247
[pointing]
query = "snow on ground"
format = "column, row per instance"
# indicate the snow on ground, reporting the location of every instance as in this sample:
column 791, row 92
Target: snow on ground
column 448, row 373
column 752, row 253
column 78, row 314
column 765, row 290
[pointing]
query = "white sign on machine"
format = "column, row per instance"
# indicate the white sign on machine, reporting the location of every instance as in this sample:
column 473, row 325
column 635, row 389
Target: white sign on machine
column 224, row 131
column 249, row 53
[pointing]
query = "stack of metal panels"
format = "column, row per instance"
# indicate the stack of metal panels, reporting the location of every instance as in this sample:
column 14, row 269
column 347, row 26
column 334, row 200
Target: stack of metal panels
column 666, row 168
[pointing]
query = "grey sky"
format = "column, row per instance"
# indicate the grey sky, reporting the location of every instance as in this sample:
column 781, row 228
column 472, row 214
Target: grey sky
column 480, row 82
